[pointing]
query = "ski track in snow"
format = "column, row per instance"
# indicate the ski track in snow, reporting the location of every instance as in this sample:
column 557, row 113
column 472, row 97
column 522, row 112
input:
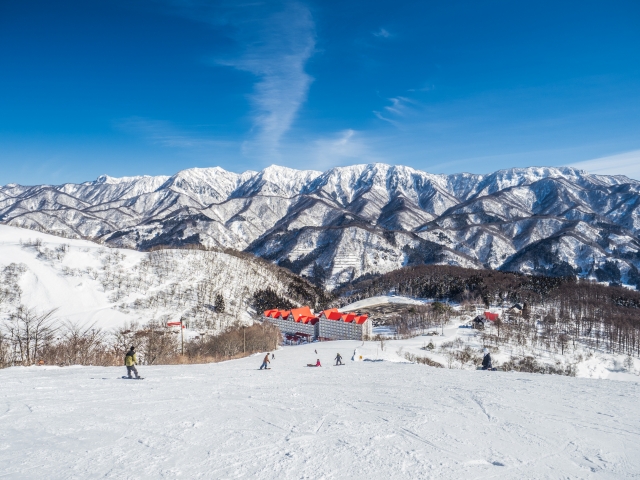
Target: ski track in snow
column 365, row 420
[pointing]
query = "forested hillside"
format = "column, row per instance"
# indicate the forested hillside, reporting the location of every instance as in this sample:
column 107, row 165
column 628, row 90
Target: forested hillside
column 557, row 310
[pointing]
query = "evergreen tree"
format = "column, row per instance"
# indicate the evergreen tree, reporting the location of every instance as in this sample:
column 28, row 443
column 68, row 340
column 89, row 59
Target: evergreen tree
column 268, row 298
column 219, row 303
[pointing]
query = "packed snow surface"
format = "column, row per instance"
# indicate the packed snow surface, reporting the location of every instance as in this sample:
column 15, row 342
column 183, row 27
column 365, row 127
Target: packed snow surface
column 366, row 420
column 383, row 300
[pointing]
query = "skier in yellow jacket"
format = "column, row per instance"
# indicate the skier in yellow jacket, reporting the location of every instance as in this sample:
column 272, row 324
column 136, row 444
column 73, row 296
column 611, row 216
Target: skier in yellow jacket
column 130, row 361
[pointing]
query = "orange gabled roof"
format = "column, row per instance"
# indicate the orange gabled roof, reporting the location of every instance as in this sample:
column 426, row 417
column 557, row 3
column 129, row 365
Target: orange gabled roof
column 275, row 313
column 361, row 319
column 348, row 317
column 332, row 314
column 307, row 319
column 302, row 311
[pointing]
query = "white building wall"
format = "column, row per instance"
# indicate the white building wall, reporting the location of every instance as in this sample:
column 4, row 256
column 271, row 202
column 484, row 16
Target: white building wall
column 334, row 329
column 339, row 330
column 287, row 325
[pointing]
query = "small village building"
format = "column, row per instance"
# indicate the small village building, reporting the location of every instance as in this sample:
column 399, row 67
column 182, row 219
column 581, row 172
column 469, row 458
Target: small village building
column 478, row 323
column 516, row 309
column 481, row 320
column 491, row 316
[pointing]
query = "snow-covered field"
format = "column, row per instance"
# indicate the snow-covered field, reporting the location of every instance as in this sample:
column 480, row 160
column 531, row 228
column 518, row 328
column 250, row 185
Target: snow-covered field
column 366, row 420
column 90, row 284
column 77, row 298
column 588, row 363
column 383, row 300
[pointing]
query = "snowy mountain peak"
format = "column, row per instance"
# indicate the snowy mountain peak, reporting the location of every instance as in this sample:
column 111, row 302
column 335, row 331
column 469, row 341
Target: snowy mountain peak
column 355, row 220
column 277, row 181
column 106, row 179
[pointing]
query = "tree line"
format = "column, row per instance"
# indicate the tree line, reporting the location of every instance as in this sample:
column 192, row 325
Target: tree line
column 29, row 337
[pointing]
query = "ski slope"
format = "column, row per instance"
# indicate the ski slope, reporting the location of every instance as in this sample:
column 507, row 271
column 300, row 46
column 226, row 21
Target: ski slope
column 364, row 420
column 77, row 298
column 89, row 284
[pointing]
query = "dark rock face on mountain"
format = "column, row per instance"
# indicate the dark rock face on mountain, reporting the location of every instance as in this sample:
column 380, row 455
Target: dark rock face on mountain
column 363, row 219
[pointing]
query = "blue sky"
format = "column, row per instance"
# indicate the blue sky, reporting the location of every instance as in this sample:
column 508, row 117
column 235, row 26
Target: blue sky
column 153, row 87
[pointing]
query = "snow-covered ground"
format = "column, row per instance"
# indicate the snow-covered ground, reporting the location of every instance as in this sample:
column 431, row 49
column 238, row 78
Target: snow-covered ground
column 90, row 284
column 588, row 364
column 77, row 298
column 383, row 300
column 362, row 420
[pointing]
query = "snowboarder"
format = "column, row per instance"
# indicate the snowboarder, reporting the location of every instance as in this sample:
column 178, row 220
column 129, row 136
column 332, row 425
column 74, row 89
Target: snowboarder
column 130, row 361
column 265, row 361
column 338, row 359
column 273, row 356
column 316, row 351
column 486, row 361
column 317, row 364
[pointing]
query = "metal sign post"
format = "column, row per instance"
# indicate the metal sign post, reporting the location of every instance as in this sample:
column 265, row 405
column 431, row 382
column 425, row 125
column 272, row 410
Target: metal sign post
column 182, row 335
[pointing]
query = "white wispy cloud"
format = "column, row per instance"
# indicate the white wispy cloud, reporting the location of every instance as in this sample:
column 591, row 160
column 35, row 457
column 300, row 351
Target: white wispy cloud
column 159, row 132
column 400, row 107
column 380, row 116
column 627, row 163
column 278, row 47
column 382, row 33
column 343, row 147
column 275, row 39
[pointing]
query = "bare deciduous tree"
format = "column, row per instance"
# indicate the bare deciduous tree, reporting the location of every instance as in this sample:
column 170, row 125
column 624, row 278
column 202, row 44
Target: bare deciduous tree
column 28, row 332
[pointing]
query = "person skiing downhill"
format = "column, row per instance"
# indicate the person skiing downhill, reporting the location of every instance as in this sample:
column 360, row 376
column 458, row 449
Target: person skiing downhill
column 338, row 359
column 265, row 361
column 130, row 361
column 486, row 361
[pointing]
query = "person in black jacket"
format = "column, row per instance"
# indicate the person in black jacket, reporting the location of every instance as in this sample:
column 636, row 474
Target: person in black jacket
column 486, row 361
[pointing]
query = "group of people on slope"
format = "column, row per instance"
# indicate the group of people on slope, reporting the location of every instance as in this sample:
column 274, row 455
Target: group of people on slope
column 486, row 361
column 266, row 361
column 338, row 360
column 131, row 360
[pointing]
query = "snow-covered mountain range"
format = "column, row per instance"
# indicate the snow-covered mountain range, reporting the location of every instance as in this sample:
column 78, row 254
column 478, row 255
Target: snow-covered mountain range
column 351, row 221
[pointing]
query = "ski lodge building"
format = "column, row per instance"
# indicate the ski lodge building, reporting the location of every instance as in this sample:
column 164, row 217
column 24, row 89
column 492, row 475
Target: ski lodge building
column 302, row 323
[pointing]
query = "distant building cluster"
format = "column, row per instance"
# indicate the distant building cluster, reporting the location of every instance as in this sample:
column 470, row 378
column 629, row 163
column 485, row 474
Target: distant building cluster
column 301, row 324
column 481, row 320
